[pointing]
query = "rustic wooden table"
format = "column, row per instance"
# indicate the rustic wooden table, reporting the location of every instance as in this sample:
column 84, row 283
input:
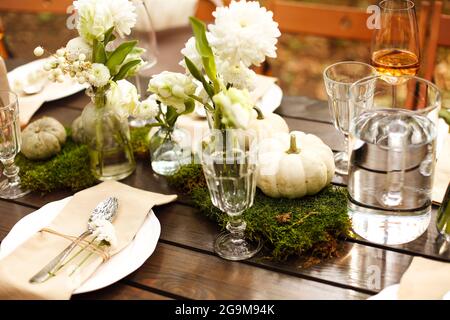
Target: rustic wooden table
column 184, row 265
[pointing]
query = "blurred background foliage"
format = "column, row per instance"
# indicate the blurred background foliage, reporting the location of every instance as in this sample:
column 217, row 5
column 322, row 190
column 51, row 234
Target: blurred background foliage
column 301, row 58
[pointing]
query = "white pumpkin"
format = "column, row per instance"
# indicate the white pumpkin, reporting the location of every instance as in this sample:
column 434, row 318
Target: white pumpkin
column 266, row 125
column 294, row 165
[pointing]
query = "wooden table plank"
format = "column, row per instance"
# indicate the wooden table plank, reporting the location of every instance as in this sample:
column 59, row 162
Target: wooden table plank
column 189, row 274
column 356, row 267
column 120, row 291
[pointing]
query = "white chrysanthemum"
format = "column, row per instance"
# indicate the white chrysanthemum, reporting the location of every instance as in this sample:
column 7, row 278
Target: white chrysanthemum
column 77, row 46
column 124, row 16
column 123, row 98
column 98, row 75
column 245, row 32
column 240, row 76
column 173, row 89
column 236, row 107
column 94, row 18
column 147, row 109
column 104, row 231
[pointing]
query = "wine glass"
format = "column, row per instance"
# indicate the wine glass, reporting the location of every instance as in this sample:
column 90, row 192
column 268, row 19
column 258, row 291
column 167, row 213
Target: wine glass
column 229, row 165
column 395, row 45
column 10, row 140
column 145, row 34
column 338, row 79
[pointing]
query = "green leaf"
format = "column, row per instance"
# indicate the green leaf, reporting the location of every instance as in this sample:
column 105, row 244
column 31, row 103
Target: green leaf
column 99, row 52
column 203, row 48
column 171, row 116
column 199, row 76
column 119, row 55
column 122, row 74
column 109, row 36
column 189, row 106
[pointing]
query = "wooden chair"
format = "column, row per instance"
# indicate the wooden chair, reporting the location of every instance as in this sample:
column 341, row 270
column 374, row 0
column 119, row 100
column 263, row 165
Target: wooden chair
column 439, row 36
column 322, row 20
column 32, row 6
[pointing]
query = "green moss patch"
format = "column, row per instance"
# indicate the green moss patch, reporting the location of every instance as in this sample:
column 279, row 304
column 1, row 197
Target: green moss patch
column 69, row 169
column 306, row 226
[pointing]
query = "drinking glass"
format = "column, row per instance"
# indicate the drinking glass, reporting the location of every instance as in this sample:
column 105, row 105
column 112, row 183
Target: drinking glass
column 10, row 140
column 229, row 165
column 392, row 157
column 338, row 78
column 145, row 34
column 395, row 45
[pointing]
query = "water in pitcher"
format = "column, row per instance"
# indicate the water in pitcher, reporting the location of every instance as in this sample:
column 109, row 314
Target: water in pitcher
column 391, row 175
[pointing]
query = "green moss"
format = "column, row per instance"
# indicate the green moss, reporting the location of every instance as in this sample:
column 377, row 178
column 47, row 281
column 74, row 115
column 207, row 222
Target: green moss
column 69, row 169
column 306, row 226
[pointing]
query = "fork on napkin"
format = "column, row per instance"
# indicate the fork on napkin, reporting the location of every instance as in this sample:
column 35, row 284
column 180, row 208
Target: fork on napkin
column 18, row 267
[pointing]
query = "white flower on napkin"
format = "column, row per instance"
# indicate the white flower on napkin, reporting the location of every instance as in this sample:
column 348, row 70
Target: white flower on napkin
column 104, row 231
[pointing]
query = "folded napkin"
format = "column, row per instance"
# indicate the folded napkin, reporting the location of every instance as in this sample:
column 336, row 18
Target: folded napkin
column 28, row 105
column 4, row 85
column 442, row 171
column 17, row 268
column 425, row 279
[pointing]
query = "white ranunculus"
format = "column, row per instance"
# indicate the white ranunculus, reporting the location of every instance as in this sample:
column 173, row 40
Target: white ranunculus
column 173, row 89
column 147, row 109
column 240, row 76
column 94, row 18
column 98, row 75
column 124, row 16
column 77, row 46
column 236, row 107
column 122, row 97
column 244, row 32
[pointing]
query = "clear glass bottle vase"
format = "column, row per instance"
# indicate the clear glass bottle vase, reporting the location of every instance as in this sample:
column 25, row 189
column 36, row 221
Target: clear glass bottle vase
column 170, row 148
column 107, row 136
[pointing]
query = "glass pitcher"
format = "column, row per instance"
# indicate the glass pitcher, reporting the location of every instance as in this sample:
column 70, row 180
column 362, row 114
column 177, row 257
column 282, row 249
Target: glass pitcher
column 392, row 158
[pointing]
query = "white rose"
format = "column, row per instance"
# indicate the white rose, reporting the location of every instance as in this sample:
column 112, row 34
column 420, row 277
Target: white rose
column 122, row 97
column 173, row 89
column 236, row 107
column 78, row 46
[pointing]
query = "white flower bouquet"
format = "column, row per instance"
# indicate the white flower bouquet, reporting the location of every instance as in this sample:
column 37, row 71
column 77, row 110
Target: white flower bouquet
column 101, row 58
column 218, row 61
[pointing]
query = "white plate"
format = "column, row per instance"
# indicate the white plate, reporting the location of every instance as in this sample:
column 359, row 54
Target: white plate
column 119, row 266
column 52, row 90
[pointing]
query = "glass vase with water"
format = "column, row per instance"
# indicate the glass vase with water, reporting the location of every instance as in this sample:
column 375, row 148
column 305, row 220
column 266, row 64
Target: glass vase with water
column 393, row 152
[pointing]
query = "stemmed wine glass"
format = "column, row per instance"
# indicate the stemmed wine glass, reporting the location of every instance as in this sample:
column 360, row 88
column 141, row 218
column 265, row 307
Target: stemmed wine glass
column 10, row 141
column 395, row 45
column 338, row 79
column 229, row 165
column 145, row 34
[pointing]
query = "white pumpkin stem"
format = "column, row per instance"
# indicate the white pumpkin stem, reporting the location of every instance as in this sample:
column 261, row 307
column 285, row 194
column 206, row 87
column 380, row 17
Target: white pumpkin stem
column 259, row 112
column 293, row 146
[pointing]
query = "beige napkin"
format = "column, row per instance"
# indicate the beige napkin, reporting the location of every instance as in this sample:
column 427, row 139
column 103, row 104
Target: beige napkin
column 442, row 172
column 18, row 267
column 28, row 107
column 425, row 279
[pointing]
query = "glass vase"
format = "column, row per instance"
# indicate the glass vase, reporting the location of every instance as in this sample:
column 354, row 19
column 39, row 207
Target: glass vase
column 107, row 135
column 170, row 148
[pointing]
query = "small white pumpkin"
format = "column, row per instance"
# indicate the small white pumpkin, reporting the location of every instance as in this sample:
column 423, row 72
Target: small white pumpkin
column 294, row 165
column 43, row 138
column 266, row 125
